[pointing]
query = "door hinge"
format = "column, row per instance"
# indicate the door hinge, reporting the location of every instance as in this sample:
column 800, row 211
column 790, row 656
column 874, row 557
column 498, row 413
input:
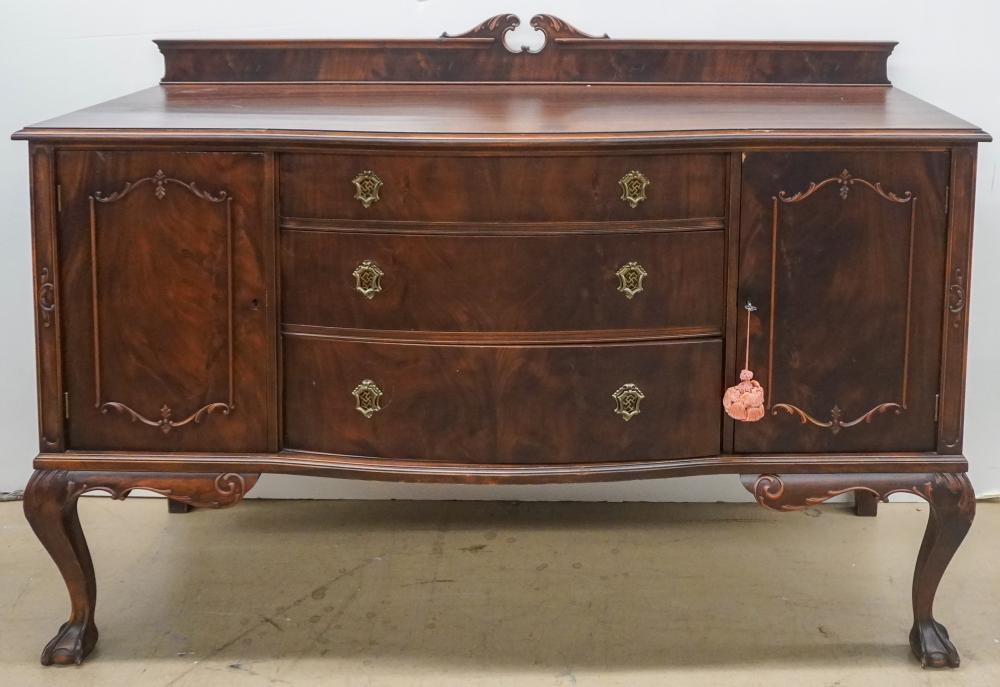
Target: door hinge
column 947, row 198
column 66, row 404
column 937, row 406
column 58, row 197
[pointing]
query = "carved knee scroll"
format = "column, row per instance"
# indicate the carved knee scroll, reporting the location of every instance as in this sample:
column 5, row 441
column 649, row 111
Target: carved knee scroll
column 200, row 490
column 50, row 506
column 952, row 508
column 799, row 491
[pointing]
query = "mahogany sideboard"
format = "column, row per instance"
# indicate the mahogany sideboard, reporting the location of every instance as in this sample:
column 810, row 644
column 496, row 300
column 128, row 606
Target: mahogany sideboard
column 448, row 260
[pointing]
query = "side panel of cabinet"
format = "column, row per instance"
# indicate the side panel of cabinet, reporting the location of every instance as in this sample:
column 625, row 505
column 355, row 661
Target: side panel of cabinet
column 167, row 285
column 843, row 255
column 47, row 306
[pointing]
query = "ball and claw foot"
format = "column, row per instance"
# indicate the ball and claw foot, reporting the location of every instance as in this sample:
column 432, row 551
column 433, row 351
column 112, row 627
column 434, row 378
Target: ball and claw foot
column 932, row 647
column 71, row 645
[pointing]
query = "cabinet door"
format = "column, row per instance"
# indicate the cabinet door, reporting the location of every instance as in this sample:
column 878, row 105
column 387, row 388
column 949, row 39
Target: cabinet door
column 165, row 264
column 843, row 255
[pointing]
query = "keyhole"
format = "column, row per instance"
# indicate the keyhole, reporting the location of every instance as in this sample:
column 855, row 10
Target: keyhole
column 254, row 304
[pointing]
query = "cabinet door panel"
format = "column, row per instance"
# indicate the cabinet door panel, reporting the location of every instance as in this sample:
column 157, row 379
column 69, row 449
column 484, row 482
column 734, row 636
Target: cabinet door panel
column 843, row 254
column 165, row 272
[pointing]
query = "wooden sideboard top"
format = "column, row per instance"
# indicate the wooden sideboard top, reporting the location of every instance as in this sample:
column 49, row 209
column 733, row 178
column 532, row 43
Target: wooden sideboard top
column 474, row 88
column 509, row 114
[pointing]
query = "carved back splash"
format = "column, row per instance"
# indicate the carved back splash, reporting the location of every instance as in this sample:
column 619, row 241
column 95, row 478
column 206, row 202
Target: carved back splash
column 488, row 53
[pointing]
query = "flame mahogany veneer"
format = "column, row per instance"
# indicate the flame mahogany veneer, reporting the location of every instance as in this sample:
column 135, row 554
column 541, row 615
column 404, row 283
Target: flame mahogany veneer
column 452, row 261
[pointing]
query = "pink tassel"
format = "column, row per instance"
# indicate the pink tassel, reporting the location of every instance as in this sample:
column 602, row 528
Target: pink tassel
column 745, row 401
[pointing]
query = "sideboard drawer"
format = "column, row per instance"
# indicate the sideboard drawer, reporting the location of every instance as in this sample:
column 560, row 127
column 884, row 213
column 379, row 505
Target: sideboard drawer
column 438, row 188
column 634, row 281
column 503, row 404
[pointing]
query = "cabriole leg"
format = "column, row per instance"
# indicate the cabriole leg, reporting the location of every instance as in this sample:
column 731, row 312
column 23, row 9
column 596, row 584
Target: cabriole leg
column 50, row 501
column 952, row 508
column 50, row 507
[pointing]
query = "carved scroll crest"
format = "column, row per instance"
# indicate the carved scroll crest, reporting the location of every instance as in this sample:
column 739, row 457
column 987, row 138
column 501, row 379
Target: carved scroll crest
column 496, row 28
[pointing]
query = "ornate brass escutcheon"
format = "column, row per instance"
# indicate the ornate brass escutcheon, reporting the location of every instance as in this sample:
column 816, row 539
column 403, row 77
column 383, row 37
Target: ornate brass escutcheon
column 630, row 276
column 367, row 397
column 367, row 278
column 628, row 398
column 367, row 184
column 634, row 187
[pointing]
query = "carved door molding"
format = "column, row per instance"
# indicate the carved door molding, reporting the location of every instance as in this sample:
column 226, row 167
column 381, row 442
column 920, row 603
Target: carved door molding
column 159, row 181
column 167, row 266
column 846, row 182
column 845, row 251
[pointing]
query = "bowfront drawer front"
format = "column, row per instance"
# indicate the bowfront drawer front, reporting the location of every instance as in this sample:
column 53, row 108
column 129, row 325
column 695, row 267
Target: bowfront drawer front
column 449, row 283
column 503, row 404
column 439, row 188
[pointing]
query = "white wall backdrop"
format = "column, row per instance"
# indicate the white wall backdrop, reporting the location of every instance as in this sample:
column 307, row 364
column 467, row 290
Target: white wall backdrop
column 61, row 55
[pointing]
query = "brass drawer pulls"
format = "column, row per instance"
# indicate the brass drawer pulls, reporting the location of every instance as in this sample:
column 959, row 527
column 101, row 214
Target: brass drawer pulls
column 630, row 276
column 367, row 185
column 628, row 398
column 367, row 398
column 634, row 187
column 367, row 279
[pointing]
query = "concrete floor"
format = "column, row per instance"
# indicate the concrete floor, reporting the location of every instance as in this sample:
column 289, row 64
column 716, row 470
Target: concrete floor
column 473, row 593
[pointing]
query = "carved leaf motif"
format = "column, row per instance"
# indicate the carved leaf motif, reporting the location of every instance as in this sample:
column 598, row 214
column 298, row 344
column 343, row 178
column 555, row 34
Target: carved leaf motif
column 846, row 180
column 554, row 27
column 836, row 423
column 494, row 27
column 159, row 180
column 165, row 424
